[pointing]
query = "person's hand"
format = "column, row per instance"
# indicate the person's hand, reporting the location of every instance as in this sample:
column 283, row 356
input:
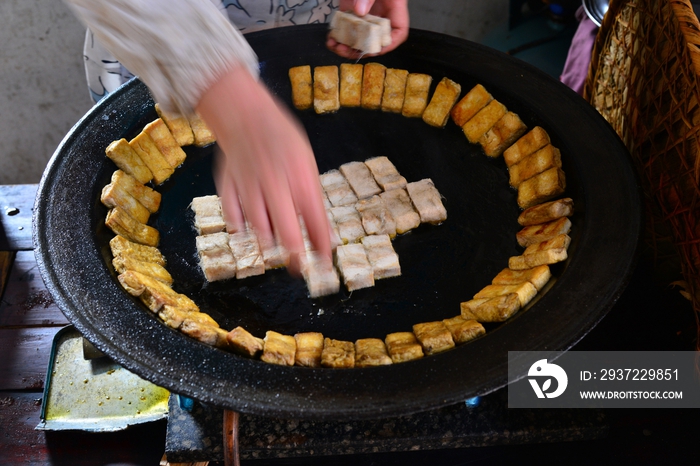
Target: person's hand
column 266, row 162
column 395, row 10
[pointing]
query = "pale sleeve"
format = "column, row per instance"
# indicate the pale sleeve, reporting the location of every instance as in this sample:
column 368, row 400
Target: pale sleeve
column 178, row 48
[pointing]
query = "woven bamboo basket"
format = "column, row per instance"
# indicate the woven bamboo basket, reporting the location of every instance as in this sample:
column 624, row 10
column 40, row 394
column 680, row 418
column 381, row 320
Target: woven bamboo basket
column 643, row 78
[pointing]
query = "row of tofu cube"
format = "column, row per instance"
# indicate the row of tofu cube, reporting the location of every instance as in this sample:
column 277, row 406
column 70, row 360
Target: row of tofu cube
column 312, row 349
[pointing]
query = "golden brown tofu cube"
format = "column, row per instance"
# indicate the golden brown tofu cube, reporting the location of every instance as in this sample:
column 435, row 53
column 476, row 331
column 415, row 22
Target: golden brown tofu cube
column 525, row 291
column 150, row 154
column 203, row 135
column 279, row 349
column 535, row 163
column 543, row 213
column 350, row 84
column 243, row 342
column 309, row 349
column 416, row 95
column 403, row 346
column 173, row 317
column 113, row 196
column 371, row 352
column 126, row 158
column 338, row 354
column 497, row 309
column 122, row 247
column 463, row 330
column 121, row 223
column 123, row 263
column 470, row 104
column 547, row 252
column 537, row 233
column 302, row 87
column 483, row 121
column 534, row 140
column 538, row 276
column 153, row 293
column 373, row 85
column 502, row 134
column 166, row 143
column 541, row 188
column 438, row 110
column 150, row 198
column 326, row 89
column 394, row 90
column 204, row 331
column 434, row 337
column 178, row 125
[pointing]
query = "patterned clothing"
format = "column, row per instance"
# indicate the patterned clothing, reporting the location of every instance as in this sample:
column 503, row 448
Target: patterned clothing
column 105, row 73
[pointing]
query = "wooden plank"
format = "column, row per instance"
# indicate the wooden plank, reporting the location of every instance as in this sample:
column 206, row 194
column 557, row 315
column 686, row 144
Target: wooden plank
column 16, row 203
column 26, row 301
column 25, row 357
column 6, row 258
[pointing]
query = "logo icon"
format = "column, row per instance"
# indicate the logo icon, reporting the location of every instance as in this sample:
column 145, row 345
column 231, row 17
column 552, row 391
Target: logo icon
column 542, row 368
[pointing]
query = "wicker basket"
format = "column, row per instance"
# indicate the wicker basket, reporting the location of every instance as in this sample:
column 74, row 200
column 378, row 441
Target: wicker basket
column 643, row 79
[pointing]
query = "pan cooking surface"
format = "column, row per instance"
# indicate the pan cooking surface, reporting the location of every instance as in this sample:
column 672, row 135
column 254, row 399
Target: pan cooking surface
column 442, row 265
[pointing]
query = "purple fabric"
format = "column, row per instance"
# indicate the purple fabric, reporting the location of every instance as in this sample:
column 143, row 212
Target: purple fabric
column 579, row 57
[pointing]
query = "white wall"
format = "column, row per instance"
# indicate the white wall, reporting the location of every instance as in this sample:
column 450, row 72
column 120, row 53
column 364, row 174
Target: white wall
column 42, row 86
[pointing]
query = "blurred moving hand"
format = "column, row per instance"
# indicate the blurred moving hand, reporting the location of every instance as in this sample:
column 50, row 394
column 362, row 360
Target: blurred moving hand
column 395, row 10
column 266, row 162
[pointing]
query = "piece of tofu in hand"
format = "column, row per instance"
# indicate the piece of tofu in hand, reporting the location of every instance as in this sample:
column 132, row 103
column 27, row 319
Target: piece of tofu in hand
column 367, row 34
column 320, row 275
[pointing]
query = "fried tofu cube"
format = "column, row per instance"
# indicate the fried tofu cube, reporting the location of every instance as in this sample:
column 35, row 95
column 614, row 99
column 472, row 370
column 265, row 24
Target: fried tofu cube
column 434, row 337
column 470, row 104
column 540, row 188
column 535, row 163
column 394, row 90
column 525, row 291
column 399, row 204
column 309, row 349
column 403, row 346
column 337, row 189
column 485, row 118
column 545, row 253
column 360, row 179
column 381, row 256
column 243, row 342
column 274, row 256
column 215, row 256
column 126, row 158
column 543, row 213
column 385, row 173
column 166, row 143
column 203, row 135
column 207, row 334
column 463, row 330
column 502, row 134
column 538, row 276
column 537, row 233
column 122, row 247
column 208, row 215
column 338, row 354
column 349, row 223
column 373, row 86
column 302, row 87
column 148, row 197
column 147, row 150
column 416, row 95
column 376, row 217
column 371, row 352
column 121, row 223
column 245, row 248
column 279, row 349
column 320, row 275
column 354, row 267
column 438, row 110
column 350, row 84
column 426, row 200
column 123, row 263
column 326, row 89
column 534, row 140
column 178, row 125
column 496, row 309
column 113, row 196
column 172, row 316
column 153, row 293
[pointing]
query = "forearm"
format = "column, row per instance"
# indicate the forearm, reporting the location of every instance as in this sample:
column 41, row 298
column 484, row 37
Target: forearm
column 179, row 48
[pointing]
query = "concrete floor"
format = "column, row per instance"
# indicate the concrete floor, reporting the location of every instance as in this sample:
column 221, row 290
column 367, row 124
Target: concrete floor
column 43, row 92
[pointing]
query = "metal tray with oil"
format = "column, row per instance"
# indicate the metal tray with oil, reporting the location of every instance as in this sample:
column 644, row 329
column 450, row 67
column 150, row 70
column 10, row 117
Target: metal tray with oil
column 90, row 392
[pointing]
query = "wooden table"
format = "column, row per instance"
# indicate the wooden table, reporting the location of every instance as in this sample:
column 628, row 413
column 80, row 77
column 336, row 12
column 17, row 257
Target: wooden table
column 645, row 318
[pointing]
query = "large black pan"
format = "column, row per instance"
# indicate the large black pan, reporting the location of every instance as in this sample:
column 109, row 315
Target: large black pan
column 442, row 265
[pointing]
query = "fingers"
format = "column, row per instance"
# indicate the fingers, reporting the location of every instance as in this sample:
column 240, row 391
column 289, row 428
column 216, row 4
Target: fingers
column 226, row 188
